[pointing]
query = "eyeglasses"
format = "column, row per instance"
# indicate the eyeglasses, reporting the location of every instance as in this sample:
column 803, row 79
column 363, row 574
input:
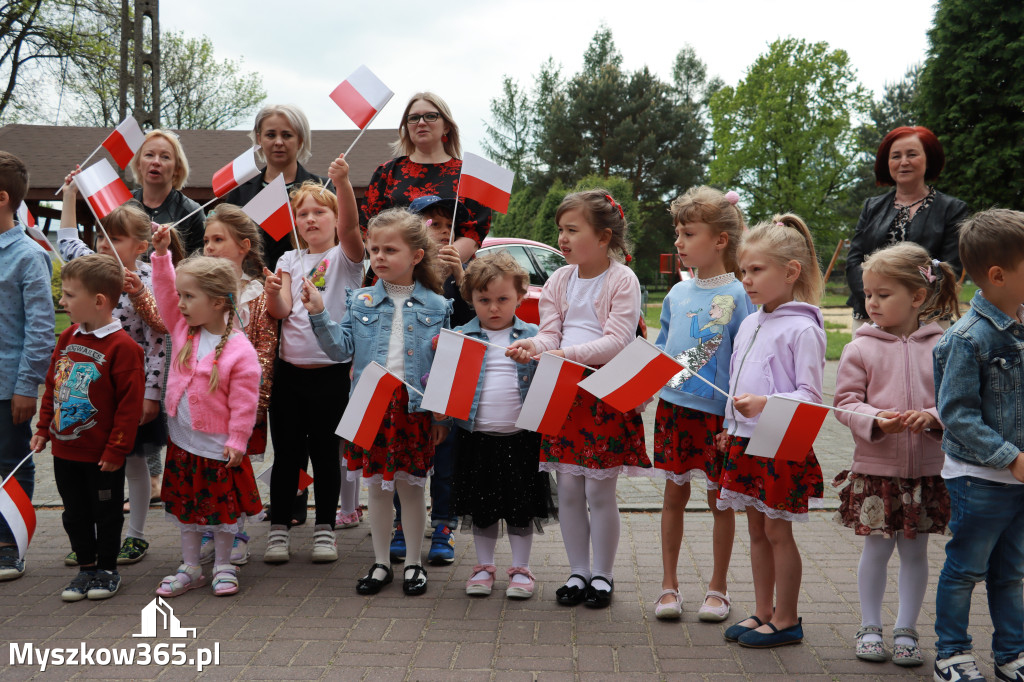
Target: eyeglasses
column 413, row 119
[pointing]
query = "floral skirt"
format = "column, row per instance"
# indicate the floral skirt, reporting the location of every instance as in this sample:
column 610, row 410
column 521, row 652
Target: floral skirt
column 596, row 441
column 886, row 505
column 684, row 443
column 199, row 491
column 780, row 489
column 402, row 449
column 257, row 445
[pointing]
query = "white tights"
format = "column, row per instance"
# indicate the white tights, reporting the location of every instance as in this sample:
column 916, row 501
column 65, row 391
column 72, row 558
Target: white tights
column 414, row 517
column 582, row 529
column 913, row 578
column 485, row 540
column 136, row 473
column 348, row 500
column 192, row 539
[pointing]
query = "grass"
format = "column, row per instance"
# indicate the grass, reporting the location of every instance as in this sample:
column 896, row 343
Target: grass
column 63, row 322
column 835, row 342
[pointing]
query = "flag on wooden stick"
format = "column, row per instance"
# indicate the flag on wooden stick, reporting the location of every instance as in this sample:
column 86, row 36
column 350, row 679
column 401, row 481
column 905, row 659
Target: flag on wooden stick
column 17, row 511
column 633, row 376
column 366, row 406
column 101, row 188
column 241, row 170
column 485, row 182
column 786, row 429
column 126, row 139
column 270, row 209
column 551, row 395
column 454, row 374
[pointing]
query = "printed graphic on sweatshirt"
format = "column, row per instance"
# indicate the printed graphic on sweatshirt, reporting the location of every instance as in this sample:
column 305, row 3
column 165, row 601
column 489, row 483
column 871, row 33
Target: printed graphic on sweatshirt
column 702, row 358
column 73, row 411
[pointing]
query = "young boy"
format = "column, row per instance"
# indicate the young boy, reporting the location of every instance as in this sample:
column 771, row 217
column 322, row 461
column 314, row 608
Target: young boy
column 91, row 409
column 26, row 318
column 979, row 379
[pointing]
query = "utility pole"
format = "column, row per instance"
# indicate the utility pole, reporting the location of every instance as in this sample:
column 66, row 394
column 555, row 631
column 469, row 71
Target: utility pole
column 140, row 67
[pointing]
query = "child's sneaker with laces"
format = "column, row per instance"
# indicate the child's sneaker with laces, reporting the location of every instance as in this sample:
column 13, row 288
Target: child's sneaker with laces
column 132, row 551
column 325, row 544
column 442, row 546
column 239, row 549
column 206, row 547
column 397, row 551
column 79, row 587
column 959, row 667
column 11, row 565
column 1012, row 671
column 104, row 585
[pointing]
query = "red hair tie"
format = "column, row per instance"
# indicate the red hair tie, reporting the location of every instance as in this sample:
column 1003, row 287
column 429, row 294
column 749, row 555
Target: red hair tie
column 629, row 259
column 622, row 213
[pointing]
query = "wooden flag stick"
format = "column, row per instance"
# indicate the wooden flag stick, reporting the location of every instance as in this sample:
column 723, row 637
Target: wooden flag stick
column 194, row 212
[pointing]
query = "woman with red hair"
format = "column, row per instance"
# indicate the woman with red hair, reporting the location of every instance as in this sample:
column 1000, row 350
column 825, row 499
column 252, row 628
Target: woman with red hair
column 908, row 159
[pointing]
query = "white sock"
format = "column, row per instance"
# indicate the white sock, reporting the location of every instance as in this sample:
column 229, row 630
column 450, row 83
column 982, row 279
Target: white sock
column 605, row 526
column 872, row 574
column 190, row 541
column 521, row 546
column 348, row 500
column 484, row 542
column 382, row 510
column 913, row 581
column 414, row 517
column 574, row 522
column 136, row 475
column 241, row 524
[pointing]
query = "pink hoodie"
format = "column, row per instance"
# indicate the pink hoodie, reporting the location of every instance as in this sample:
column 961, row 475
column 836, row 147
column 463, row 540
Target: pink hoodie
column 879, row 371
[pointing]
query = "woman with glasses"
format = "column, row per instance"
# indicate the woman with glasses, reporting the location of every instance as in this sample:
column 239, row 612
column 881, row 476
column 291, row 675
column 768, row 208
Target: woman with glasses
column 161, row 168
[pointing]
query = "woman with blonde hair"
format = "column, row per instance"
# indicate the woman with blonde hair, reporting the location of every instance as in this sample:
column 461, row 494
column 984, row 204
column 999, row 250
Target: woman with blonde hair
column 161, row 169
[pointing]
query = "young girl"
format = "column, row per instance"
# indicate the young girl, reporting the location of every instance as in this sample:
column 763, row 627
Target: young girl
column 496, row 473
column 895, row 496
column 778, row 351
column 403, row 257
column 699, row 319
column 130, row 230
column 588, row 312
column 302, row 416
column 212, row 397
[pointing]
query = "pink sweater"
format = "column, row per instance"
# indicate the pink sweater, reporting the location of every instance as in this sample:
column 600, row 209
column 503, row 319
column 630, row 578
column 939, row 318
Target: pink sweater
column 617, row 307
column 879, row 371
column 238, row 369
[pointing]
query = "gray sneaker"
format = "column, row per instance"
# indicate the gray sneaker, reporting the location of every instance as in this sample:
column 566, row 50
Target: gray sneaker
column 79, row 587
column 104, row 585
column 11, row 567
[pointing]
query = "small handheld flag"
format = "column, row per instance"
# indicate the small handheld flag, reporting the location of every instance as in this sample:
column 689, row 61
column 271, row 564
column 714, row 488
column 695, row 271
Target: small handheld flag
column 270, row 209
column 365, row 410
column 551, row 395
column 454, row 375
column 361, row 96
column 485, row 182
column 239, row 171
column 786, row 429
column 636, row 374
column 101, row 188
column 17, row 510
column 124, row 141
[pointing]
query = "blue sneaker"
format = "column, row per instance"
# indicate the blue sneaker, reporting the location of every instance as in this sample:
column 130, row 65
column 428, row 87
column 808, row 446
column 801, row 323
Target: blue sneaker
column 398, row 545
column 442, row 546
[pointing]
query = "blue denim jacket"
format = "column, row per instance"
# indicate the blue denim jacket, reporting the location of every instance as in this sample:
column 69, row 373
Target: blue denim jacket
column 520, row 330
column 365, row 332
column 979, row 384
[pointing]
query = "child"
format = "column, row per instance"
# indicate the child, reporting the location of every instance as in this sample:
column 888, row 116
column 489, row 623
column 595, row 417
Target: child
column 699, row 319
column 979, row 379
column 302, row 417
column 588, row 313
column 232, row 235
column 496, row 473
column 404, row 259
column 25, row 344
column 895, row 496
column 91, row 410
column 212, row 397
column 129, row 229
column 778, row 351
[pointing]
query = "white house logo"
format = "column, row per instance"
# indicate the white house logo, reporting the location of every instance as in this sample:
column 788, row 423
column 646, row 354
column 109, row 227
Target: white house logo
column 159, row 613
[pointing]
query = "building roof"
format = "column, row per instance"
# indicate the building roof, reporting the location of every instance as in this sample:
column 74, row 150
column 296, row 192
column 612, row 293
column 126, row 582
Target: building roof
column 51, row 151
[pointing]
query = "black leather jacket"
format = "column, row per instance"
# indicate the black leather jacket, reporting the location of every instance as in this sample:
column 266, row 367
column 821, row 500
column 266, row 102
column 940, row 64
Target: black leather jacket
column 936, row 229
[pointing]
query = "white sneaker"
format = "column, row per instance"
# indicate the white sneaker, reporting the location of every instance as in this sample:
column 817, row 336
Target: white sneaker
column 956, row 668
column 206, row 548
column 240, row 549
column 1012, row 671
column 325, row 544
column 278, row 545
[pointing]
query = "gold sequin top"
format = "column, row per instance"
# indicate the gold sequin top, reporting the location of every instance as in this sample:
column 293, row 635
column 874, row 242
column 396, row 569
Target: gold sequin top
column 145, row 306
column 262, row 334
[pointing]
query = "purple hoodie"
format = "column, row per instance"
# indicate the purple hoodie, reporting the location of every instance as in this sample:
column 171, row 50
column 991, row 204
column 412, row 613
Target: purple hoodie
column 778, row 353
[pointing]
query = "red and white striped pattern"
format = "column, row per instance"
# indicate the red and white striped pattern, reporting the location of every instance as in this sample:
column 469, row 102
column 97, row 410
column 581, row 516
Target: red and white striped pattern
column 17, row 510
column 367, row 404
column 24, row 216
column 101, row 187
column 361, row 96
column 270, row 209
column 124, row 141
column 551, row 395
column 633, row 376
column 486, row 182
column 786, row 429
column 241, row 170
column 454, row 375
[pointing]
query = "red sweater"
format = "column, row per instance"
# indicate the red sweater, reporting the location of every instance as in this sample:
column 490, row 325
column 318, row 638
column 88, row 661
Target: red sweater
column 93, row 400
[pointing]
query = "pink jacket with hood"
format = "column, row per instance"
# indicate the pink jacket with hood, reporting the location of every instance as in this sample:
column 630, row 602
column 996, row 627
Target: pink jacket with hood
column 880, row 371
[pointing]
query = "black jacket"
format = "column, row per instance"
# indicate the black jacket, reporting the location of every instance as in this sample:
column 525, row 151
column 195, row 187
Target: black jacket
column 175, row 207
column 936, row 229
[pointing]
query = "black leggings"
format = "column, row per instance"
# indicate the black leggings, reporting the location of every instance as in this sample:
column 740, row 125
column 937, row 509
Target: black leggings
column 305, row 408
column 93, row 514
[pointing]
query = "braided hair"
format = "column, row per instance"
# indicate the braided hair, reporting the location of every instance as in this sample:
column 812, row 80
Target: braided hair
column 217, row 279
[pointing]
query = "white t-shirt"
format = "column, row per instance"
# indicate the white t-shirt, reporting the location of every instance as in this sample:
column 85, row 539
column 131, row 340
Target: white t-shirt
column 955, row 469
column 500, row 403
column 331, row 272
column 396, row 342
column 179, row 427
column 581, row 324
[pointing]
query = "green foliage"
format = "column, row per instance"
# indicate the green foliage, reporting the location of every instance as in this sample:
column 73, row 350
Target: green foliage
column 55, row 289
column 834, row 344
column 972, row 97
column 509, row 137
column 784, row 136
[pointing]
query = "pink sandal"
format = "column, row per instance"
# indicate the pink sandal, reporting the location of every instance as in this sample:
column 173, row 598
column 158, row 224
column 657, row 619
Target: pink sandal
column 520, row 590
column 481, row 586
column 187, row 578
column 225, row 580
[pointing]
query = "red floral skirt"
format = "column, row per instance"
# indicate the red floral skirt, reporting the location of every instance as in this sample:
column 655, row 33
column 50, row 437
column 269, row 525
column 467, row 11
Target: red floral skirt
column 402, row 449
column 258, row 440
column 780, row 489
column 885, row 505
column 684, row 442
column 206, row 492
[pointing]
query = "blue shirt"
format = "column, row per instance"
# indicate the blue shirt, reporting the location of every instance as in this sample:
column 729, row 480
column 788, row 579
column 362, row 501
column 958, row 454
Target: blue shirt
column 26, row 315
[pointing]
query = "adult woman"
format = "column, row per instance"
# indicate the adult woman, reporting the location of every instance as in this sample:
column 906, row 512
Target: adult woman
column 161, row 168
column 429, row 162
column 283, row 141
column 908, row 158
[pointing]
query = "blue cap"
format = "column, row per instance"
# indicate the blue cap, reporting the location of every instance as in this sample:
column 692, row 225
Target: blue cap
column 432, row 202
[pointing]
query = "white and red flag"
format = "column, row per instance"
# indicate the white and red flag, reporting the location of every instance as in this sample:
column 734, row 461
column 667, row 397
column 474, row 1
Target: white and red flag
column 270, row 209
column 633, row 376
column 366, row 406
column 124, row 141
column 551, row 395
column 454, row 374
column 361, row 96
column 786, row 429
column 485, row 182
column 24, row 216
column 101, row 188
column 18, row 512
column 241, row 170
column 305, row 480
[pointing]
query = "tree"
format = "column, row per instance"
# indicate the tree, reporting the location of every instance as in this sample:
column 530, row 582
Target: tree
column 784, row 136
column 510, row 138
column 971, row 95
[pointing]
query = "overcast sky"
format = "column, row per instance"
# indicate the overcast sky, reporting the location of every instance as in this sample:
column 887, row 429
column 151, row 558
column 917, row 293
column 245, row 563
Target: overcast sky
column 462, row 48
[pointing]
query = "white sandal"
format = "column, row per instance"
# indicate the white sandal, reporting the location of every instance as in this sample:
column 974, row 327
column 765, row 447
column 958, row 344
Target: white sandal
column 671, row 611
column 715, row 614
column 185, row 579
column 225, row 579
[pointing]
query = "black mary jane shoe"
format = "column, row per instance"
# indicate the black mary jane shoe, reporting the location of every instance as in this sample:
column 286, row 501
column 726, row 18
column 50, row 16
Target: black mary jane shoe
column 598, row 599
column 571, row 596
column 369, row 585
column 417, row 584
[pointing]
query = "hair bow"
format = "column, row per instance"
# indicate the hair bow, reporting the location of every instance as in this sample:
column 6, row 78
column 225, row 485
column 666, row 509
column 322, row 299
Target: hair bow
column 927, row 273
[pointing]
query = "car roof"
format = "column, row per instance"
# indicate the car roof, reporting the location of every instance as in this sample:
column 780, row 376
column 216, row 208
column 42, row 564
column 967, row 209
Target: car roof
column 505, row 241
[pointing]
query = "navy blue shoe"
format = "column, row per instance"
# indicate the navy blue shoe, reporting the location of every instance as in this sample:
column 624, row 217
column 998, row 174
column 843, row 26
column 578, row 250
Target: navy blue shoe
column 753, row 639
column 733, row 632
column 442, row 546
column 397, row 550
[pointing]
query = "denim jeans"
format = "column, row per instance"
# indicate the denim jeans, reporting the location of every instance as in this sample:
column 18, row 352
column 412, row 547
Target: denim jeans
column 14, row 440
column 987, row 522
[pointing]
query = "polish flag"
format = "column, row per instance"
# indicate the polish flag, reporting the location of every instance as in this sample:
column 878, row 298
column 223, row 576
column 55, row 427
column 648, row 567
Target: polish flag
column 270, row 209
column 101, row 187
column 124, row 141
column 486, row 182
column 367, row 405
column 17, row 510
column 305, row 480
column 786, row 429
column 551, row 395
column 361, row 96
column 24, row 217
column 454, row 375
column 241, row 170
column 636, row 374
